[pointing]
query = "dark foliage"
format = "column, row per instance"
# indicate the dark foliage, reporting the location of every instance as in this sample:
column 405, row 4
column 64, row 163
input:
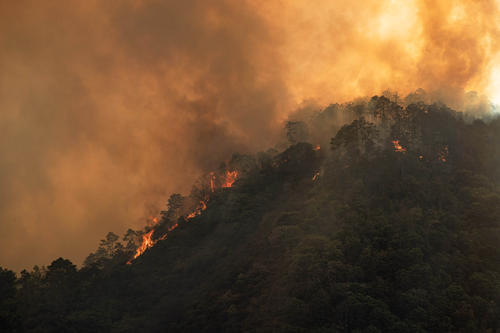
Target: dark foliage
column 361, row 237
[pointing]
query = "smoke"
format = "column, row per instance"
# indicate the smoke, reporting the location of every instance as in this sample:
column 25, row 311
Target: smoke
column 338, row 50
column 108, row 107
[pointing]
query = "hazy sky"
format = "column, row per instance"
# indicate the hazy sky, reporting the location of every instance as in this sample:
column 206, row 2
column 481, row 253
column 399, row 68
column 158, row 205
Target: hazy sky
column 107, row 107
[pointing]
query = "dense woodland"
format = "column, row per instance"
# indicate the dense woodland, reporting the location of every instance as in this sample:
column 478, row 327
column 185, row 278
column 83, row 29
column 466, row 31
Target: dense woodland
column 393, row 225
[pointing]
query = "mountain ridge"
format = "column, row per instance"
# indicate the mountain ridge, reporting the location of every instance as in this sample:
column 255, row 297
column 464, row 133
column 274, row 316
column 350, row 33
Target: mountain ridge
column 391, row 226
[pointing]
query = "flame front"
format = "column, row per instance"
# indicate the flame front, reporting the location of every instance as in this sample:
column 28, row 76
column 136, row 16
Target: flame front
column 212, row 181
column 169, row 229
column 147, row 242
column 397, row 147
column 201, row 207
column 231, row 177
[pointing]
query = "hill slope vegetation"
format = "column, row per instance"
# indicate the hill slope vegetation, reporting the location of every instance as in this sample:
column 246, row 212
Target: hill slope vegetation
column 393, row 225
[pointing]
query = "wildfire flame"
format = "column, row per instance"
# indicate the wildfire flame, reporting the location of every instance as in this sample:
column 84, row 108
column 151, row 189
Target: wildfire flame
column 201, row 207
column 316, row 176
column 397, row 147
column 147, row 241
column 212, row 181
column 443, row 155
column 318, row 147
column 169, row 229
column 231, row 177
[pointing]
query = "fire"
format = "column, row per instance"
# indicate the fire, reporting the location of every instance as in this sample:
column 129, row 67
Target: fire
column 147, row 242
column 397, row 147
column 316, row 176
column 443, row 154
column 212, row 181
column 172, row 227
column 318, row 147
column 201, row 207
column 231, row 177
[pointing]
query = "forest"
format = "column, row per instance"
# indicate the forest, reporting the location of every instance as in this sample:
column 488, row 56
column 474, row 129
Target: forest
column 377, row 215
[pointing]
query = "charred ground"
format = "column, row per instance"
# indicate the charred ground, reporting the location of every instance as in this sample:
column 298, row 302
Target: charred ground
column 393, row 225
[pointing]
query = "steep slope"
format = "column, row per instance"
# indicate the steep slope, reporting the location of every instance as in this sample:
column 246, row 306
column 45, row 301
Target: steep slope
column 391, row 227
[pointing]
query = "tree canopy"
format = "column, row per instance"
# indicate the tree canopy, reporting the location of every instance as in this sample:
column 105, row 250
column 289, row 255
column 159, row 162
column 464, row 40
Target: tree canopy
column 393, row 225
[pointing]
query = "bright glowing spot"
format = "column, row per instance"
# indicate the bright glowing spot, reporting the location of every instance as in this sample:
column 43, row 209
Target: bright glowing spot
column 398, row 19
column 494, row 86
column 457, row 13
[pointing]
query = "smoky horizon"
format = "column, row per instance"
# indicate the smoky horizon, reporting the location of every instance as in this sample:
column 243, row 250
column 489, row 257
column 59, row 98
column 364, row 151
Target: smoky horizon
column 108, row 108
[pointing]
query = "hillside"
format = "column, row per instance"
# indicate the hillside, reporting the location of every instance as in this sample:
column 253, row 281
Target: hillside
column 388, row 220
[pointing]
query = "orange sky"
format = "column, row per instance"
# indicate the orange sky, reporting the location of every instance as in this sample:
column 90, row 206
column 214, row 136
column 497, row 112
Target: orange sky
column 108, row 107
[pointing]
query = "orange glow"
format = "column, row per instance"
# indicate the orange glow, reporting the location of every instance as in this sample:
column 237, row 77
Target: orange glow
column 212, row 180
column 294, row 51
column 316, row 176
column 201, row 207
column 231, row 177
column 147, row 242
column 443, row 154
column 396, row 45
column 397, row 147
column 318, row 147
column 172, row 227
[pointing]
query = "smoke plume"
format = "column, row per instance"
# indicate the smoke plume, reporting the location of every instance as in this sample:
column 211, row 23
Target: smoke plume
column 108, row 107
